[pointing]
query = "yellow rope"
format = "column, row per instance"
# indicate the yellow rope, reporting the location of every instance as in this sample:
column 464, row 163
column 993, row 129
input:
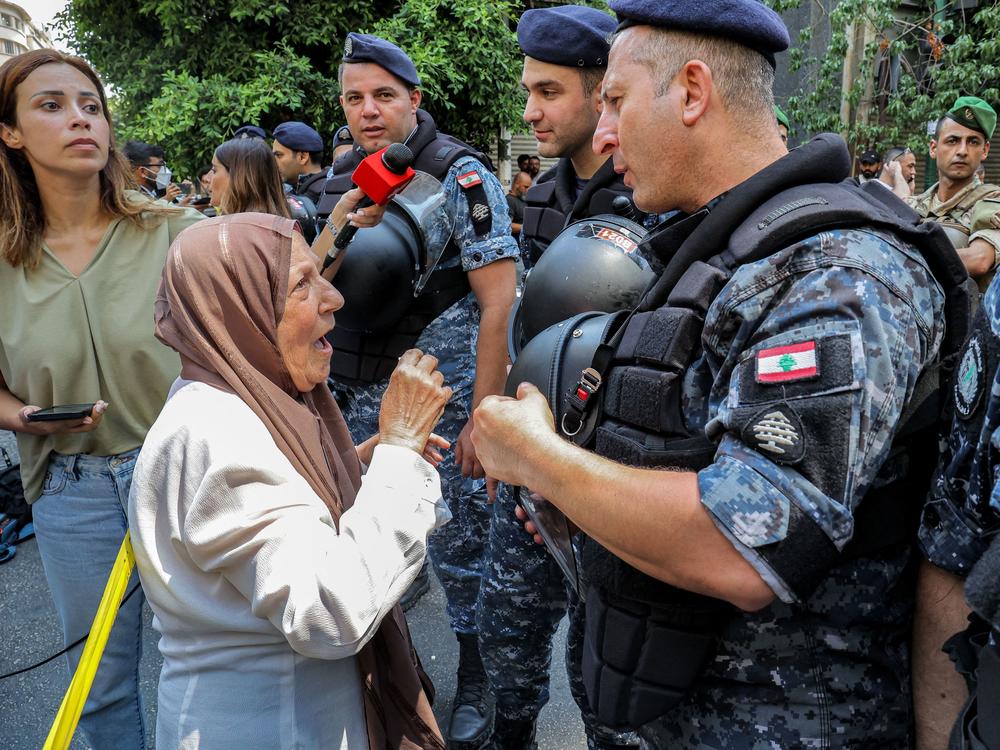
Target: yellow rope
column 64, row 726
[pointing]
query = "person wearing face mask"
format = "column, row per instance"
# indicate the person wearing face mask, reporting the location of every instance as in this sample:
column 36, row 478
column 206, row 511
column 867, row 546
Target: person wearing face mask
column 149, row 167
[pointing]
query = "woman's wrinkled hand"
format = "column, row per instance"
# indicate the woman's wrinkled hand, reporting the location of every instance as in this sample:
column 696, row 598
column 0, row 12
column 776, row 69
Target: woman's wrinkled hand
column 413, row 404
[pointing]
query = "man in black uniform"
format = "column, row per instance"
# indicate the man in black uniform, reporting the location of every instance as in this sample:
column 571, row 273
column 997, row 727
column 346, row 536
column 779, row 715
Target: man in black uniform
column 523, row 595
column 298, row 150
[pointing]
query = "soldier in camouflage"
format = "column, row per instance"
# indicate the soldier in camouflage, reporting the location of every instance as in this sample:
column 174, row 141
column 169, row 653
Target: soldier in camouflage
column 959, row 200
column 803, row 369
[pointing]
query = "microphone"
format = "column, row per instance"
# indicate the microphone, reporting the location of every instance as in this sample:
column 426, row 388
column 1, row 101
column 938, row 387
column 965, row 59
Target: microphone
column 380, row 176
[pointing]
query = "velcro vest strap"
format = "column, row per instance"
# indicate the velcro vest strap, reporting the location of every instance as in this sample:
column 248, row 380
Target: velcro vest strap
column 698, row 287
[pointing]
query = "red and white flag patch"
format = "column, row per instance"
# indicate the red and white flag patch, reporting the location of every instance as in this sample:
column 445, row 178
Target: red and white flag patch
column 787, row 363
column 470, row 179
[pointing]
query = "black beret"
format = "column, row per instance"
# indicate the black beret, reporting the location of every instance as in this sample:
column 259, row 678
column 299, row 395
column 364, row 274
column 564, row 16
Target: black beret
column 370, row 48
column 298, row 137
column 567, row 35
column 746, row 22
column 871, row 156
column 342, row 137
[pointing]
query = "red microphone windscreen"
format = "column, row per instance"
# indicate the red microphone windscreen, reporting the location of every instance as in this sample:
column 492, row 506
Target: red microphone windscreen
column 379, row 182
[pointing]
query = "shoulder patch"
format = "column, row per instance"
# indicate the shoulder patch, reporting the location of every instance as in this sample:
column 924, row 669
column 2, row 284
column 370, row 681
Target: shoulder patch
column 469, row 179
column 783, row 364
column 776, row 431
column 970, row 379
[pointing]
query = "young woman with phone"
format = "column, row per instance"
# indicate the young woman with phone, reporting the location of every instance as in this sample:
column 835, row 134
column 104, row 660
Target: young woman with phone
column 80, row 260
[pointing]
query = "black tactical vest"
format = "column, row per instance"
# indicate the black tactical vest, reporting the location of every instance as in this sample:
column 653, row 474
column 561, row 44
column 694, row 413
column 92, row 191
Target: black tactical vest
column 361, row 357
column 549, row 207
column 647, row 642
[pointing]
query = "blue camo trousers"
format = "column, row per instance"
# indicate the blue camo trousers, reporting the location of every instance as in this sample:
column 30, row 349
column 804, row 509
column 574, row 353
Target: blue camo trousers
column 456, row 549
column 522, row 598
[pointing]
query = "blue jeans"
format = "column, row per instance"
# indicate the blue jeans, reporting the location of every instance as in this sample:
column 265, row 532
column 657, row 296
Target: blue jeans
column 80, row 521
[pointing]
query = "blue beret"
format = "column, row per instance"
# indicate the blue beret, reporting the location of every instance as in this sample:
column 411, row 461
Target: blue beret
column 298, row 137
column 250, row 131
column 746, row 22
column 567, row 35
column 342, row 137
column 370, row 48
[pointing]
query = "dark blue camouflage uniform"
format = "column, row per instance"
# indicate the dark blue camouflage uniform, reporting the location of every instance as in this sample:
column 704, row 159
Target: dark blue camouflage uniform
column 455, row 549
column 830, row 670
column 963, row 508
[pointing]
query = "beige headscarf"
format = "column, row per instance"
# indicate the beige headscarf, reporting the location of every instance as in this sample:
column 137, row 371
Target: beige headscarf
column 222, row 296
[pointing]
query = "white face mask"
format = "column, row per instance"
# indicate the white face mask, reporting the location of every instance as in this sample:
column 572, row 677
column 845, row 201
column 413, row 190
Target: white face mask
column 163, row 177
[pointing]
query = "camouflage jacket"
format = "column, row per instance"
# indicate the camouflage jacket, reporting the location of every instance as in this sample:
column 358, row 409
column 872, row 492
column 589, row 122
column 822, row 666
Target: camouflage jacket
column 975, row 209
column 962, row 513
column 830, row 670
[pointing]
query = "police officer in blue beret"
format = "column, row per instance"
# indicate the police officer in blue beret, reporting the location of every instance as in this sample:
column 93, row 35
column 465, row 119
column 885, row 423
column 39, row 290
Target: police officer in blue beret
column 460, row 319
column 523, row 595
column 743, row 454
column 298, row 150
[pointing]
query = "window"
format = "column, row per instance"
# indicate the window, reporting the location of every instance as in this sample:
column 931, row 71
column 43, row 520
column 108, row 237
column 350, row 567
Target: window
column 6, row 20
column 12, row 48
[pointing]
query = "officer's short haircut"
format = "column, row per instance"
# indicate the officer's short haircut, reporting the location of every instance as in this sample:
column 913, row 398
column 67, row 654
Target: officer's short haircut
column 138, row 152
column 743, row 77
column 315, row 157
column 940, row 124
column 591, row 79
column 894, row 153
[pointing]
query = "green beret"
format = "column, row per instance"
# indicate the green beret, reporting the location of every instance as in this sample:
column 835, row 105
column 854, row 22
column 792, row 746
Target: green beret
column 975, row 114
column 782, row 117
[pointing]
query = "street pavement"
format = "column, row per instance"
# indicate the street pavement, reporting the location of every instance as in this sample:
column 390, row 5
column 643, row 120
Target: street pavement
column 29, row 631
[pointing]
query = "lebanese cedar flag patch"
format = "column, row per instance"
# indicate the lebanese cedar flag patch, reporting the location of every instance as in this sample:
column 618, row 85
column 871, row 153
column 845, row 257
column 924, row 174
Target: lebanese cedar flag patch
column 786, row 363
column 470, row 179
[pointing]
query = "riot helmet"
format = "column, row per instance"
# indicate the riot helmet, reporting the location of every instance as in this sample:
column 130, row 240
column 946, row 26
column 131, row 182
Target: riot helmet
column 554, row 360
column 386, row 266
column 593, row 264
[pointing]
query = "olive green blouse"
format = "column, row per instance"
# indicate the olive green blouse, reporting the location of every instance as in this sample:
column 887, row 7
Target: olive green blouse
column 68, row 339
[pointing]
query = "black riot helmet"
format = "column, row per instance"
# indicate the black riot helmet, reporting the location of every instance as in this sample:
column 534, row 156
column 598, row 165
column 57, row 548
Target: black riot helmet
column 553, row 360
column 593, row 264
column 377, row 274
column 303, row 210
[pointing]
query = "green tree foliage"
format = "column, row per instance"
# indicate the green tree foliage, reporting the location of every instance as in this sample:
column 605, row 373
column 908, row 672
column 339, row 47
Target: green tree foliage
column 942, row 53
column 185, row 75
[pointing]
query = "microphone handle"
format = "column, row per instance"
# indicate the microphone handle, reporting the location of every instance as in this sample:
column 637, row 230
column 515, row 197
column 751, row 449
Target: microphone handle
column 347, row 233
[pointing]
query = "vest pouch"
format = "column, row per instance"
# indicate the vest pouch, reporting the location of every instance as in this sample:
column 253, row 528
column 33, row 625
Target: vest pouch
column 665, row 338
column 639, row 661
column 633, row 447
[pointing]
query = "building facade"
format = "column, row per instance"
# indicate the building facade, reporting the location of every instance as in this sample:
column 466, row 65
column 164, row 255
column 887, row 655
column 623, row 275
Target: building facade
column 18, row 34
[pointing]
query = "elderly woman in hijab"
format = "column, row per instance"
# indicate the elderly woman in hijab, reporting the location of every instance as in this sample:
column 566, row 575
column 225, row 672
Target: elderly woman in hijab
column 272, row 565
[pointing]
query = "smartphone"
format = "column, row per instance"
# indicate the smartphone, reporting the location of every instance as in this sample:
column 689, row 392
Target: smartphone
column 64, row 412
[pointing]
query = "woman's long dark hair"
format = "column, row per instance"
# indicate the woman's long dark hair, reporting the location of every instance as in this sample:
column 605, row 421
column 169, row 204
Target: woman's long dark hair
column 254, row 180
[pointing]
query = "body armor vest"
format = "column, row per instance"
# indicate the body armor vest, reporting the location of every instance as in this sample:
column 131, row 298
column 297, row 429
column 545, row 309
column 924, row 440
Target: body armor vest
column 361, row 357
column 549, row 207
column 646, row 642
